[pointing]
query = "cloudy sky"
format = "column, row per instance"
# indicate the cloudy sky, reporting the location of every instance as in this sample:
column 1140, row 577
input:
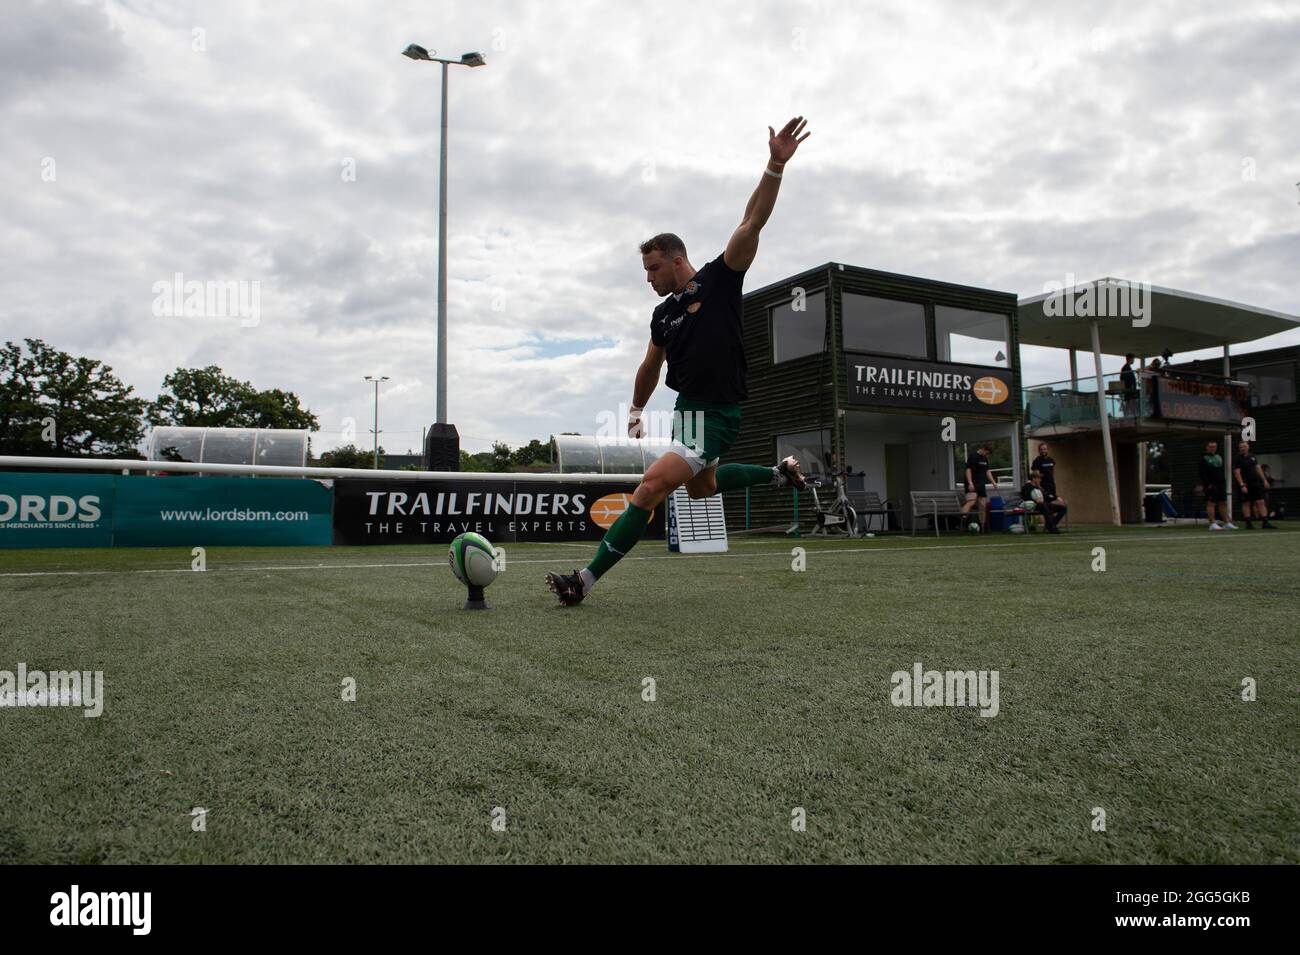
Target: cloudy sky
column 1002, row 145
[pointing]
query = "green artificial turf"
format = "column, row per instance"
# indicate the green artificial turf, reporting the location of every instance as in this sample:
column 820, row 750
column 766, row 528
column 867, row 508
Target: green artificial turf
column 1118, row 690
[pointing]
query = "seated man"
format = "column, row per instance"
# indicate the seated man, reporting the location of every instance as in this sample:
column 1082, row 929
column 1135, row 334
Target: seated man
column 1045, row 503
column 1047, row 465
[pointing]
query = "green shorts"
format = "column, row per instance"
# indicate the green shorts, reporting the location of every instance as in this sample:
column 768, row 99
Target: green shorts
column 703, row 431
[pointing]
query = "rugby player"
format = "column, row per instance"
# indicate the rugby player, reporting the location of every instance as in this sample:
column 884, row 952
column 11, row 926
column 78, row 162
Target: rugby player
column 977, row 476
column 1046, row 465
column 697, row 330
column 1211, row 475
column 1254, row 486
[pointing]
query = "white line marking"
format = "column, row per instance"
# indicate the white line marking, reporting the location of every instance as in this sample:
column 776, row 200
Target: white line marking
column 781, row 550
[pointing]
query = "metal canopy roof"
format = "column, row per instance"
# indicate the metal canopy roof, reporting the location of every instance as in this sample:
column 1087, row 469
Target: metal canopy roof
column 1179, row 321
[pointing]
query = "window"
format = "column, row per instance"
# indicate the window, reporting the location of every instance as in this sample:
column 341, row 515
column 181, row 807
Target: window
column 883, row 325
column 795, row 334
column 971, row 337
column 1269, row 384
column 810, row 447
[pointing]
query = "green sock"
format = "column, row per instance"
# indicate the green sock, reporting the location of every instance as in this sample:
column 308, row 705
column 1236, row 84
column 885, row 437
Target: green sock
column 732, row 477
column 621, row 538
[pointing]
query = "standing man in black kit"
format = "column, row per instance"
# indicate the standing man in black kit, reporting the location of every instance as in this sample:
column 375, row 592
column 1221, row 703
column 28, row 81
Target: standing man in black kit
column 1045, row 464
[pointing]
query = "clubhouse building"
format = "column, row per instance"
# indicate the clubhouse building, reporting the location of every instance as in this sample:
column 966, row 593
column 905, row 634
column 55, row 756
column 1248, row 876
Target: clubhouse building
column 852, row 367
column 877, row 372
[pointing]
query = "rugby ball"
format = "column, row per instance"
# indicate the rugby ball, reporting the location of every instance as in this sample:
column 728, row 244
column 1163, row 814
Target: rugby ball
column 1017, row 528
column 1030, row 506
column 1037, row 495
column 973, row 527
column 471, row 558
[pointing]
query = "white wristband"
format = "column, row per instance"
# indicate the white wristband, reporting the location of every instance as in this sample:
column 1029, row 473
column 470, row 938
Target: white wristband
column 774, row 175
column 634, row 412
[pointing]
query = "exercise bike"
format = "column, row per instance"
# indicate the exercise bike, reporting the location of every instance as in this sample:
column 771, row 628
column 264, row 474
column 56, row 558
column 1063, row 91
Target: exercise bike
column 840, row 518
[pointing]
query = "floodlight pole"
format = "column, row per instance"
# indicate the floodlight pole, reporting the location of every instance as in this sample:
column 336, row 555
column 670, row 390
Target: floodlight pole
column 416, row 52
column 442, row 257
column 376, row 381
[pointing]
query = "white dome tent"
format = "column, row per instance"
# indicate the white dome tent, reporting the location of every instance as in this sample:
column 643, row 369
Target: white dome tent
column 254, row 446
column 589, row 454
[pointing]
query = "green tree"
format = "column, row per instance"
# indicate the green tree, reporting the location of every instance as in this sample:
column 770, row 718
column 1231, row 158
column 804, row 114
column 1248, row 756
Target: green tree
column 56, row 405
column 277, row 409
column 534, row 452
column 350, row 456
column 209, row 398
column 500, row 456
column 470, row 462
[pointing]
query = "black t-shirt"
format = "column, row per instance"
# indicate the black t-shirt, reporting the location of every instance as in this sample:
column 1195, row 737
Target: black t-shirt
column 1045, row 464
column 701, row 336
column 1248, row 464
column 1129, row 378
column 978, row 465
column 1211, row 469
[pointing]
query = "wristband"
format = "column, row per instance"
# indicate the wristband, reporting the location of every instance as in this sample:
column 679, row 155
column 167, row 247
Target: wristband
column 633, row 412
column 774, row 175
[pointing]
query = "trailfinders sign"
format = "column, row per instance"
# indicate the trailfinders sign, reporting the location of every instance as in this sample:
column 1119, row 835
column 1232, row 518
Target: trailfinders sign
column 927, row 385
column 1189, row 399
column 436, row 510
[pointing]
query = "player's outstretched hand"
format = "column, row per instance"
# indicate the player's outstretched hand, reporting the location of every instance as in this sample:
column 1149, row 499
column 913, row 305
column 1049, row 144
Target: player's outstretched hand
column 784, row 143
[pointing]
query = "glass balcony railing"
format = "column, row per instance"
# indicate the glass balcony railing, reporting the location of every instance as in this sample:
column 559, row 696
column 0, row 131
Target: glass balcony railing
column 1074, row 403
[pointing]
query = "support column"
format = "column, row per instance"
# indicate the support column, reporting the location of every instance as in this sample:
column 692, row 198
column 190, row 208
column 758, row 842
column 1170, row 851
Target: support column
column 1227, row 443
column 1111, row 488
column 1017, row 477
column 1074, row 370
column 1142, row 448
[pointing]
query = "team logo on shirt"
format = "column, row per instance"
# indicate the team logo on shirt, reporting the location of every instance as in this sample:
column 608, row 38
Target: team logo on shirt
column 692, row 287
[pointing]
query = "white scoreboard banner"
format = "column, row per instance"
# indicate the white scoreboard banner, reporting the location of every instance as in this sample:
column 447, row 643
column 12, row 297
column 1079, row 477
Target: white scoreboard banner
column 696, row 526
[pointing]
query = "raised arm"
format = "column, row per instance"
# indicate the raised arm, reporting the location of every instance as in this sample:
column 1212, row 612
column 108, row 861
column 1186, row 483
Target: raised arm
column 743, row 245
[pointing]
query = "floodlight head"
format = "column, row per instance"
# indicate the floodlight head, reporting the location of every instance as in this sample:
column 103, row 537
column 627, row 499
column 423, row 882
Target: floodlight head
column 417, row 52
column 473, row 59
